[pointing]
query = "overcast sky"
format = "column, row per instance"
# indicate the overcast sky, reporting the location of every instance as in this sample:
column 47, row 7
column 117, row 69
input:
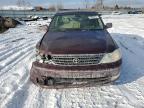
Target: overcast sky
column 75, row 3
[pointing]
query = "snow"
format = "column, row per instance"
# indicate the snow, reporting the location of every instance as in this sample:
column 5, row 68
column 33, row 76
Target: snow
column 14, row 7
column 38, row 23
column 17, row 49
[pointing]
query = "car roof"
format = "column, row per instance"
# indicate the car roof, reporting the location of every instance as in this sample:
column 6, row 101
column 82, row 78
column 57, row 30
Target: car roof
column 77, row 12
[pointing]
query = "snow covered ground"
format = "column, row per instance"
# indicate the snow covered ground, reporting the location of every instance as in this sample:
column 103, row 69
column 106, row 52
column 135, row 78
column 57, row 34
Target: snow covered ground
column 17, row 49
column 14, row 7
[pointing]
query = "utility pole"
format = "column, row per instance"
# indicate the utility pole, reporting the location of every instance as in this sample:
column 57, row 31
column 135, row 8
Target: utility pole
column 130, row 4
column 99, row 4
column 59, row 5
column 86, row 3
column 115, row 2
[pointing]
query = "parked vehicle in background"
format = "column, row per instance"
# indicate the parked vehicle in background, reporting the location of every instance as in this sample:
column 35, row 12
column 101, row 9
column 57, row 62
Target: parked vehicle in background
column 49, row 20
column 44, row 17
column 116, row 13
column 139, row 12
column 135, row 12
column 77, row 49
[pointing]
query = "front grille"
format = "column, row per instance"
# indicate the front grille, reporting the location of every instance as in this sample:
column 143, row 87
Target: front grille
column 77, row 59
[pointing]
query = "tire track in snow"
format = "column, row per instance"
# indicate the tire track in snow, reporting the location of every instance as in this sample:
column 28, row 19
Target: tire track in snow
column 132, row 94
column 18, row 51
column 21, row 85
column 9, row 38
column 14, row 51
column 22, row 62
column 48, row 98
column 9, row 100
column 14, row 80
column 14, row 56
column 5, row 72
column 44, row 98
column 16, row 47
column 30, row 101
column 20, row 95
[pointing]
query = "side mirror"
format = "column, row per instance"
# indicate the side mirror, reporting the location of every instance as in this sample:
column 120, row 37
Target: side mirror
column 108, row 25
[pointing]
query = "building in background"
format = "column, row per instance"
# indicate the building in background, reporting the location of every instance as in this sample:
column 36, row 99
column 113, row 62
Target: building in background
column 39, row 8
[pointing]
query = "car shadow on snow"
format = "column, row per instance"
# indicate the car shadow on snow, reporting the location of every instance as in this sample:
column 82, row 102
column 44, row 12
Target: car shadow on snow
column 132, row 48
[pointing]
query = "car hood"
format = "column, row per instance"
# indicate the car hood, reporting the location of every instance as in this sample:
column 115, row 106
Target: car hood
column 77, row 42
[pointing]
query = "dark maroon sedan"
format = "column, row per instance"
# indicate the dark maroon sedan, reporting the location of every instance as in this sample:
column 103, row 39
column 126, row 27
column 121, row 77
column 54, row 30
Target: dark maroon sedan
column 76, row 50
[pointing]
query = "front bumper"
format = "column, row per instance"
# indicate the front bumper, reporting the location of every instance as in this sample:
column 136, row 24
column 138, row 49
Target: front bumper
column 74, row 75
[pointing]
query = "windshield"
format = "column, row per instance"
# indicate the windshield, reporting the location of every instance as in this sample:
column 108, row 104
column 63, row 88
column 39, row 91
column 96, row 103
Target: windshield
column 76, row 22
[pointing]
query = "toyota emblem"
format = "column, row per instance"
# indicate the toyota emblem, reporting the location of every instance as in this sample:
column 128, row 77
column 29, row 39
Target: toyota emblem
column 76, row 60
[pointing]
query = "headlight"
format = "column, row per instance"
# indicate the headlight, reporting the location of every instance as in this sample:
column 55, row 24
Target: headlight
column 111, row 57
column 41, row 58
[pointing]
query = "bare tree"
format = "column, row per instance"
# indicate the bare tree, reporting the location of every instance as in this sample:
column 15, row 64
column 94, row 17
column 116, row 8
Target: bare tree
column 20, row 3
column 23, row 3
column 52, row 8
